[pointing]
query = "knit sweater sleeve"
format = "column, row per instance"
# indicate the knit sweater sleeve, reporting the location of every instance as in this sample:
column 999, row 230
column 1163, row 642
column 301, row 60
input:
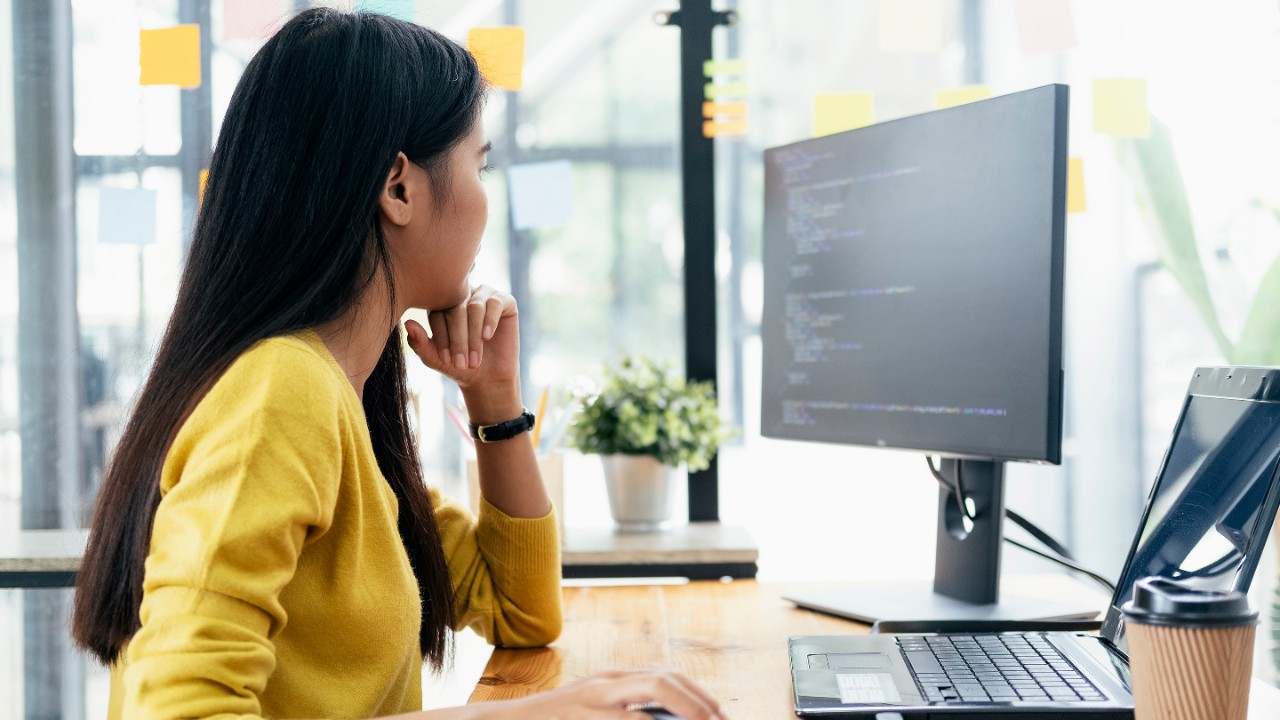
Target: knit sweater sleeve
column 251, row 478
column 505, row 573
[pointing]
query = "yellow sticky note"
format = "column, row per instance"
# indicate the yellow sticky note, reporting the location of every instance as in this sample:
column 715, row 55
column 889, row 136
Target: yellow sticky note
column 1120, row 108
column 723, row 67
column 500, row 53
column 1075, row 185
column 910, row 25
column 171, row 56
column 960, row 96
column 837, row 112
column 204, row 180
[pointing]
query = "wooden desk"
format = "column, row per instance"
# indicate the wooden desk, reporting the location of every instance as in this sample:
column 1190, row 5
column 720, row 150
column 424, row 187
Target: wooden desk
column 732, row 638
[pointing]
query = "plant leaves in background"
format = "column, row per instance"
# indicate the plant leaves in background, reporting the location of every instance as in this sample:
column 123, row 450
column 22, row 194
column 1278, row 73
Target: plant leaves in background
column 1163, row 198
column 1259, row 342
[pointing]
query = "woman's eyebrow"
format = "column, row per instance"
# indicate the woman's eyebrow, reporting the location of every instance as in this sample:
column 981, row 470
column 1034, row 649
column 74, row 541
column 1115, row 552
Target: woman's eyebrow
column 487, row 147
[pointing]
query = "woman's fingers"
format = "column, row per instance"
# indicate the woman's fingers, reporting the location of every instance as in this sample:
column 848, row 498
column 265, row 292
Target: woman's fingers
column 475, row 328
column 440, row 337
column 670, row 690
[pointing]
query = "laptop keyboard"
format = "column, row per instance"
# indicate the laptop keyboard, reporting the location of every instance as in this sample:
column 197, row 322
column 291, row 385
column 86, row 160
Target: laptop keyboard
column 994, row 668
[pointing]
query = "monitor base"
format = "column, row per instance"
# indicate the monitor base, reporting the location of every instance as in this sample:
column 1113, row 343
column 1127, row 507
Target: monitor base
column 916, row 601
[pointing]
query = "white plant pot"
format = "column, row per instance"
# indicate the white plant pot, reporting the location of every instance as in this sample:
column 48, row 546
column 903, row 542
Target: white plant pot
column 640, row 491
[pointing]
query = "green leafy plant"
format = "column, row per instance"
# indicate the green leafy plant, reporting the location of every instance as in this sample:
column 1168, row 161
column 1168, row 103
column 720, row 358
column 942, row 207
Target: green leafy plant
column 644, row 408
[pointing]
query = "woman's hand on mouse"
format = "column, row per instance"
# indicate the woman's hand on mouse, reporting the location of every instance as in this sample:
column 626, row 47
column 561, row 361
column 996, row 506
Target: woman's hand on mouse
column 607, row 697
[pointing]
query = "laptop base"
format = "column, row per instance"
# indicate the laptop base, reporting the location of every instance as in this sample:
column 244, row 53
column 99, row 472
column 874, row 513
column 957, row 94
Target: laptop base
column 916, row 601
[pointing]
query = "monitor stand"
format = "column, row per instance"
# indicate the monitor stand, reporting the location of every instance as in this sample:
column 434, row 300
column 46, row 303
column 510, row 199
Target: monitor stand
column 966, row 581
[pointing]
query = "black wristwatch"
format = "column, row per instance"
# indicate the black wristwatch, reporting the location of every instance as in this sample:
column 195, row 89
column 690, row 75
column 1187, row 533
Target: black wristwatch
column 503, row 430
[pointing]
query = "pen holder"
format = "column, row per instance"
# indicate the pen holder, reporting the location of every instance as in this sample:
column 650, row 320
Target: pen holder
column 551, row 466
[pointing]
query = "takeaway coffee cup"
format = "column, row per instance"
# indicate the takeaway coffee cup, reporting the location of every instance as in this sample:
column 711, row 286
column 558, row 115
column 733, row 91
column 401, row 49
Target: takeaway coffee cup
column 1190, row 651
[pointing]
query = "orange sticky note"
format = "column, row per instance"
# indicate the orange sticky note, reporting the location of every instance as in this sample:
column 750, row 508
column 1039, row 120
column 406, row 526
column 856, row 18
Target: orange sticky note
column 960, row 96
column 1120, row 108
column 837, row 112
column 204, row 180
column 171, row 56
column 500, row 53
column 712, row 109
column 715, row 128
column 1075, row 185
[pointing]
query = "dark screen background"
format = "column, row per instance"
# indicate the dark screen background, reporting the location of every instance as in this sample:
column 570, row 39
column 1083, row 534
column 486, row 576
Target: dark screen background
column 909, row 283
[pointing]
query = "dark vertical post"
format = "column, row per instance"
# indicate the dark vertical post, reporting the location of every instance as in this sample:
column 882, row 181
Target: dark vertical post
column 48, row 335
column 696, row 20
column 196, row 108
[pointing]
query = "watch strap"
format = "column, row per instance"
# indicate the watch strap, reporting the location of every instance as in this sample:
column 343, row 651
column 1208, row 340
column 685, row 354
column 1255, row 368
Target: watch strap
column 504, row 430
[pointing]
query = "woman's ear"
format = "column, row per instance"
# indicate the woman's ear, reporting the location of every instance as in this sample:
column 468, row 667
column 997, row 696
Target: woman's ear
column 403, row 193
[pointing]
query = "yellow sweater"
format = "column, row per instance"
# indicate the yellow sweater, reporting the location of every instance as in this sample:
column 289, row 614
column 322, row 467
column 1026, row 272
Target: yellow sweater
column 277, row 585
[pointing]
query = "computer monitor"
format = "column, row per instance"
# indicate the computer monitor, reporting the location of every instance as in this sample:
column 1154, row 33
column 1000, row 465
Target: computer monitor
column 913, row 300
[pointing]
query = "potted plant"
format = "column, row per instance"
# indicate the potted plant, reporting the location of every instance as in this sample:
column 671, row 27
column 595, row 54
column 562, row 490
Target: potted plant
column 644, row 422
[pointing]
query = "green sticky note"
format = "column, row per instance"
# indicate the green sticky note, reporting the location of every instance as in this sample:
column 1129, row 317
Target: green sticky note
column 170, row 56
column 1120, row 108
column 711, row 68
column 714, row 91
column 960, row 96
column 837, row 112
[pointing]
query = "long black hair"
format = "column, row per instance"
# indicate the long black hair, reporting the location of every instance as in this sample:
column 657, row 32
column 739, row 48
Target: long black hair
column 288, row 236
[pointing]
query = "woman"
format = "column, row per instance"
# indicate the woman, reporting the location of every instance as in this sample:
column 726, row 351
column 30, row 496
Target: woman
column 263, row 543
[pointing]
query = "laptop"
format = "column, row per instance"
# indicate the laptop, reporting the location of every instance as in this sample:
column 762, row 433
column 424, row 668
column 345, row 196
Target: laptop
column 1205, row 524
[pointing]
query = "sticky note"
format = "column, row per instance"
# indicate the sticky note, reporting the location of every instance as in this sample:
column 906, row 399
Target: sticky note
column 1044, row 25
column 713, row 109
column 1120, row 108
column 960, row 96
column 126, row 216
column 910, row 25
column 252, row 19
column 171, row 56
column 204, row 180
column 837, row 112
column 715, row 128
column 1075, row 185
column 541, row 193
column 500, row 53
column 711, row 68
column 717, row 91
column 399, row 9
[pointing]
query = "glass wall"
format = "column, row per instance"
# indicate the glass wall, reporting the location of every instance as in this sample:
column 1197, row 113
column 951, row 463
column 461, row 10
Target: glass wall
column 1150, row 293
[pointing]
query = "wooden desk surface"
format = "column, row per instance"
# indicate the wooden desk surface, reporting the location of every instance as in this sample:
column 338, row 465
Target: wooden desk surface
column 729, row 637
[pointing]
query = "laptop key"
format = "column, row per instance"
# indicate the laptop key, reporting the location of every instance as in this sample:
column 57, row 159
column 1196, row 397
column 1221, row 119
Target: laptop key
column 923, row 661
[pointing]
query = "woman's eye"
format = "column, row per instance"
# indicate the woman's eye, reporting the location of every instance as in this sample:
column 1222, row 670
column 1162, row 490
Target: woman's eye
column 485, row 170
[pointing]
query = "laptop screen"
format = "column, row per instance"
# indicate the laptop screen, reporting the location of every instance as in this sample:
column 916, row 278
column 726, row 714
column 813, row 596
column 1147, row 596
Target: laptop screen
column 1213, row 501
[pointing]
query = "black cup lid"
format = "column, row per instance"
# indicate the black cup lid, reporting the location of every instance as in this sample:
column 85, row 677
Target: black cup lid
column 1159, row 601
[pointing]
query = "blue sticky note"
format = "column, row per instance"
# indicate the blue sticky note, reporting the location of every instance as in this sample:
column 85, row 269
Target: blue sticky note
column 126, row 216
column 541, row 193
column 399, row 9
